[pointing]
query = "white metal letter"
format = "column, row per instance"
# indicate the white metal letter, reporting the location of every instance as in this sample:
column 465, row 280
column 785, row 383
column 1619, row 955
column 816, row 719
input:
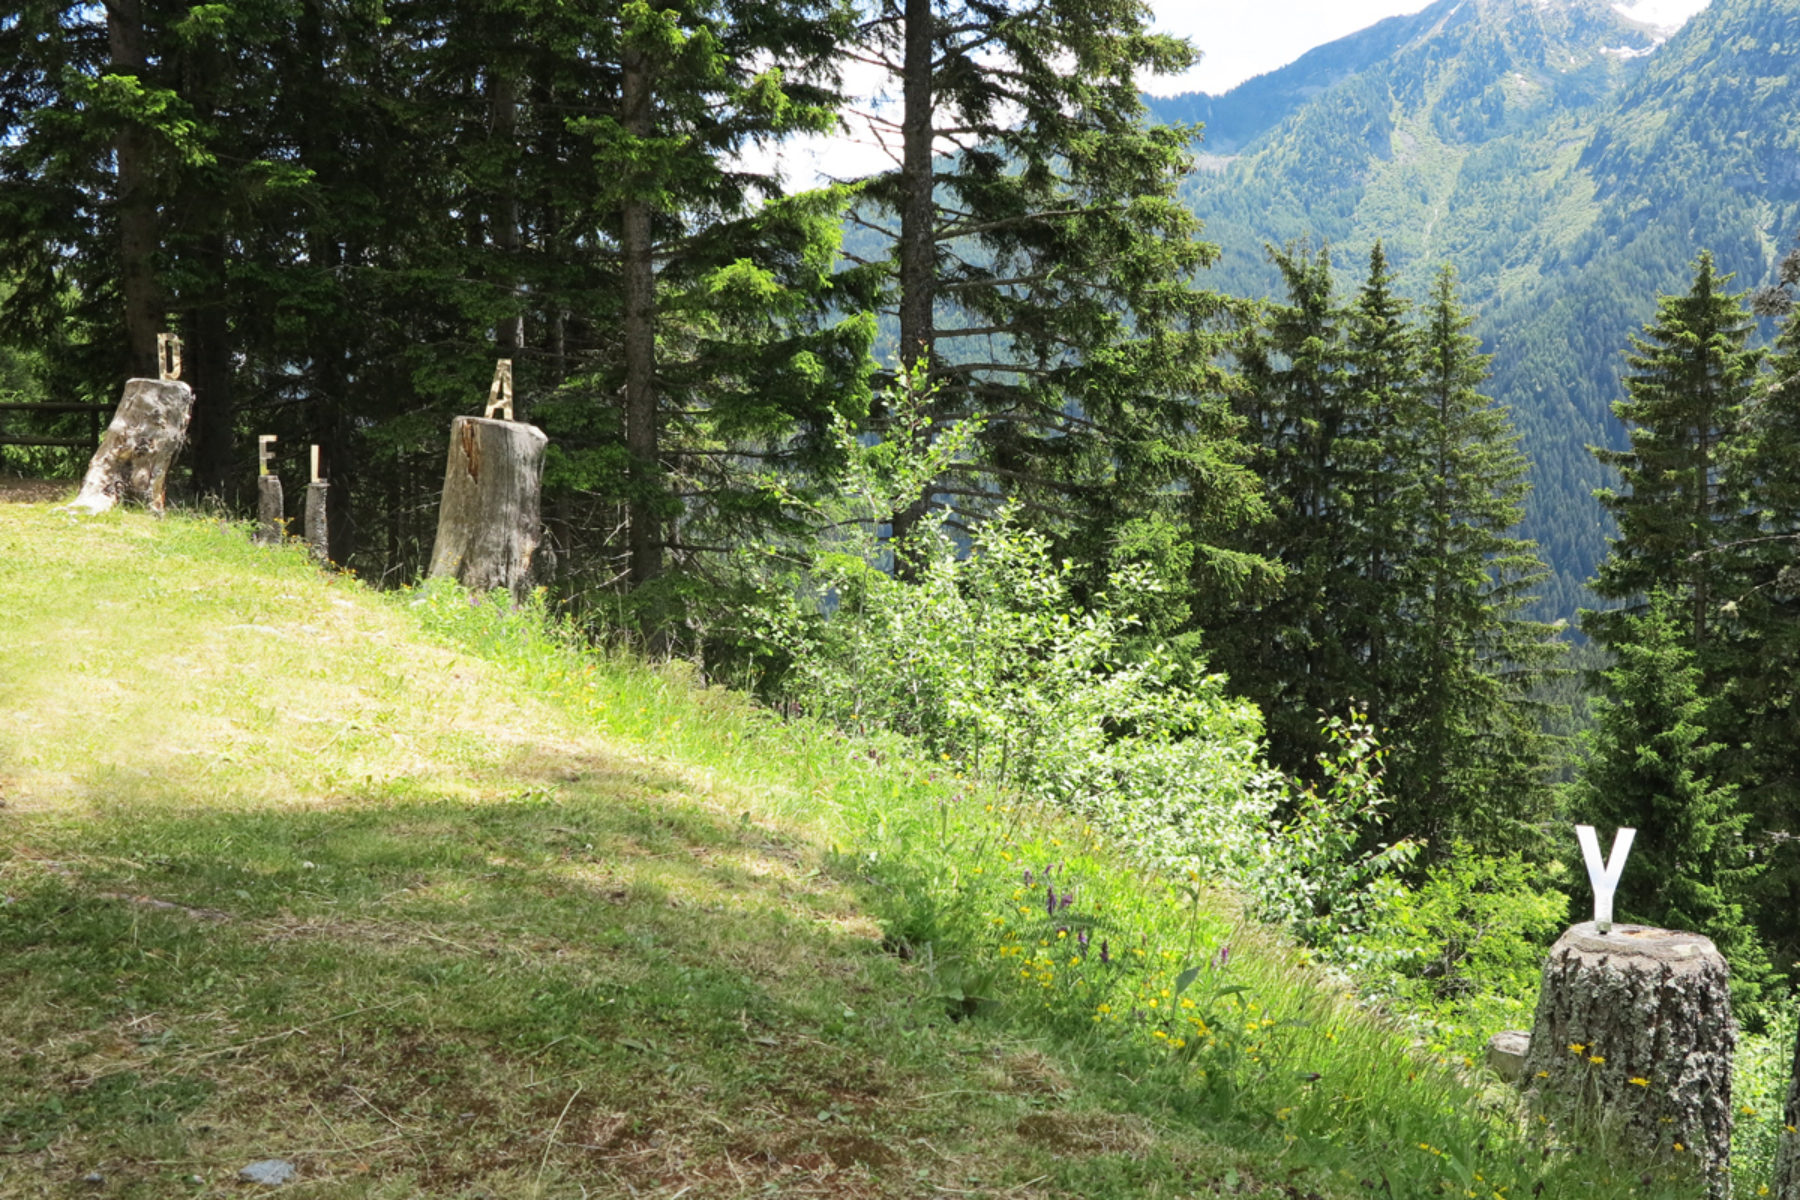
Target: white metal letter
column 1604, row 875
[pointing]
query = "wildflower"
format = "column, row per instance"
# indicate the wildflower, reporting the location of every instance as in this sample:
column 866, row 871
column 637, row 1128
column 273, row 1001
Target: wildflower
column 1577, row 1047
column 1068, row 898
column 1747, row 1110
column 1638, row 1080
column 1546, row 1075
column 1224, row 956
column 1081, row 939
column 1050, row 901
column 1106, row 958
column 1679, row 1147
column 1027, row 876
column 1597, row 1059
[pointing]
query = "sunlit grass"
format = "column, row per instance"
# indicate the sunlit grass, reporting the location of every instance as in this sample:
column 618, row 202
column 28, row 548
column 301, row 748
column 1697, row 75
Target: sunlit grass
column 425, row 899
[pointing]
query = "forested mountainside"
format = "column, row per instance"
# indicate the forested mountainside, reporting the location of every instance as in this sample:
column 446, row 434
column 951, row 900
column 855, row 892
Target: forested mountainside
column 1568, row 161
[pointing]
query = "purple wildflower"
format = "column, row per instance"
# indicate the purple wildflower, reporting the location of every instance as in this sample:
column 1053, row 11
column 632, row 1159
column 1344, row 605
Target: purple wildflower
column 1105, row 957
column 1081, row 939
column 1050, row 901
column 1027, row 876
column 1224, row 956
column 1068, row 898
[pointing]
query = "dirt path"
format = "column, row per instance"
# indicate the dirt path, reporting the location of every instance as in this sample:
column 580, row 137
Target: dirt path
column 15, row 489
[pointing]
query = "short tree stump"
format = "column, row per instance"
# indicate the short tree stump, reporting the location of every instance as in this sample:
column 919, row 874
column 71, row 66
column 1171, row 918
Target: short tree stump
column 1633, row 1038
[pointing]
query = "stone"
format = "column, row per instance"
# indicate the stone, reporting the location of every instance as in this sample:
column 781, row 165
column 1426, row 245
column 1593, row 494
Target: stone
column 270, row 1171
column 1506, row 1052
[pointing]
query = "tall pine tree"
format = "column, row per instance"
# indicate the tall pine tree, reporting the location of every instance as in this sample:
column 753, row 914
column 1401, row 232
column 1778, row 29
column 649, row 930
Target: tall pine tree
column 1040, row 264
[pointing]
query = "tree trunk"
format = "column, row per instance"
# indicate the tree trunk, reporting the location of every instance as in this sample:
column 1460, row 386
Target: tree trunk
column 271, row 511
column 132, row 195
column 1633, row 1038
column 1787, row 1149
column 918, row 231
column 641, row 434
column 134, row 456
column 488, row 522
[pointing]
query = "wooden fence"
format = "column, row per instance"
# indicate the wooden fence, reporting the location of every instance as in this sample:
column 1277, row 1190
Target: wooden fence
column 96, row 423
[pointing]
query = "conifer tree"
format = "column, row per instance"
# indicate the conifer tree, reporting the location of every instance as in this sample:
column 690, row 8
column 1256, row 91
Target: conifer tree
column 1040, row 263
column 1654, row 767
column 1691, row 372
column 1762, row 694
column 1287, row 651
column 1472, row 761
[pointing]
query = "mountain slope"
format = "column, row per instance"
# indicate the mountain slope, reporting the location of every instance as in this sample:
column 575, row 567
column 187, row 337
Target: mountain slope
column 1566, row 161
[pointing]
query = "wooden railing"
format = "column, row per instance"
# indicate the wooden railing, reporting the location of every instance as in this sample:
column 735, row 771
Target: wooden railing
column 96, row 414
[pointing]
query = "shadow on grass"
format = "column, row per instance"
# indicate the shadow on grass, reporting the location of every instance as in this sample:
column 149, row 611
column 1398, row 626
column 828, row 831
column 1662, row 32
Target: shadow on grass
column 665, row 984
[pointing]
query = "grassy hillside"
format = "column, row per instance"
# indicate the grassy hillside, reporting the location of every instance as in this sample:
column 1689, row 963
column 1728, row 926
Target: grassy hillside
column 414, row 895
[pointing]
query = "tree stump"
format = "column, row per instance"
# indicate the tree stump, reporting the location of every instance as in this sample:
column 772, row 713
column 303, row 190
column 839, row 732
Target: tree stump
column 1633, row 1037
column 1787, row 1148
column 134, row 456
column 271, row 511
column 488, row 524
column 317, row 525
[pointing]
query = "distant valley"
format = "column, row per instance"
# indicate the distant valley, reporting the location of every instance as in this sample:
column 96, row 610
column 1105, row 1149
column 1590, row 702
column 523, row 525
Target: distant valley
column 1568, row 161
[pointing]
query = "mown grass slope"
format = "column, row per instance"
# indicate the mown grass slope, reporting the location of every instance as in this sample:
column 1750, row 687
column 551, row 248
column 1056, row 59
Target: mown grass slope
column 410, row 895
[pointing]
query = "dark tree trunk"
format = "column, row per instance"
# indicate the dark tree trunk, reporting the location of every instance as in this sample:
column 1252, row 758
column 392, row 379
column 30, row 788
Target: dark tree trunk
column 134, row 456
column 918, row 227
column 644, row 533
column 207, row 352
column 1634, row 1033
column 136, row 205
column 488, row 524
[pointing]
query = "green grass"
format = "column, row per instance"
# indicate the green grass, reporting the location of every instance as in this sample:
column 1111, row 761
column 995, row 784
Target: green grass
column 414, row 893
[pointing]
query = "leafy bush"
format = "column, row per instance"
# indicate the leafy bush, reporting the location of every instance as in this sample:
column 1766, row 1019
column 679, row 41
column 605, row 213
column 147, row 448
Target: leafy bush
column 985, row 660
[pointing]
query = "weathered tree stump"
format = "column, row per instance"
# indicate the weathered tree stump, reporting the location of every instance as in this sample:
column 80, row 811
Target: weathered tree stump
column 1787, row 1149
column 317, row 525
column 271, row 511
column 1633, row 1037
column 1506, row 1053
column 488, row 524
column 133, row 459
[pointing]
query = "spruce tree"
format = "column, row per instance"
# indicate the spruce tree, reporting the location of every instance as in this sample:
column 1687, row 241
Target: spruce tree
column 1762, row 695
column 1690, row 374
column 1040, row 263
column 1654, row 767
column 1288, row 652
column 1470, row 760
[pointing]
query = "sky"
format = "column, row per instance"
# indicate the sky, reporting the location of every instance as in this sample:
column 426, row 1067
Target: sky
column 1238, row 39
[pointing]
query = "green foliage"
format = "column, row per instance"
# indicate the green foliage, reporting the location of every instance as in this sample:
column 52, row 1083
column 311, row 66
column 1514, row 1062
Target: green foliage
column 1464, row 948
column 1395, row 487
column 1654, row 767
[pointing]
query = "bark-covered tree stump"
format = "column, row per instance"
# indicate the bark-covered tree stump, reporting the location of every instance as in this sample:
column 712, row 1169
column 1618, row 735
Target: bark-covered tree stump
column 147, row 429
column 317, row 525
column 488, row 523
column 271, row 511
column 1633, row 1037
column 1787, row 1148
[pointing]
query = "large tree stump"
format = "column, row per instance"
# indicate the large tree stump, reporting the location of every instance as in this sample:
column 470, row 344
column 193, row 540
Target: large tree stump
column 488, row 522
column 1633, row 1038
column 134, row 456
column 1787, row 1148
